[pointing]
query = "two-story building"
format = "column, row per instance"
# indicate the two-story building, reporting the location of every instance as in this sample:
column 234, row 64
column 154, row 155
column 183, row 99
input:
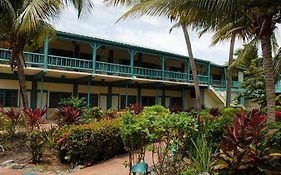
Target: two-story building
column 110, row 74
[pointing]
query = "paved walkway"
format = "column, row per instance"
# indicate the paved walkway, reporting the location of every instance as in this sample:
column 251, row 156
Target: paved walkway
column 110, row 167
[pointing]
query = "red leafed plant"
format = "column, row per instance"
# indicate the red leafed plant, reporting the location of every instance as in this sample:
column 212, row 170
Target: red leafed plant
column 175, row 108
column 278, row 115
column 136, row 108
column 245, row 145
column 34, row 117
column 13, row 118
column 69, row 114
column 215, row 112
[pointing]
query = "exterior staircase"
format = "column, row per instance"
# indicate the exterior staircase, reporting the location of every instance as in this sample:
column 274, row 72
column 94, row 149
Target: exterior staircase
column 219, row 93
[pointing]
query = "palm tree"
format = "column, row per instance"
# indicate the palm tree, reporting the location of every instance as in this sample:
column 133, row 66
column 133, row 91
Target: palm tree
column 22, row 23
column 262, row 17
column 166, row 8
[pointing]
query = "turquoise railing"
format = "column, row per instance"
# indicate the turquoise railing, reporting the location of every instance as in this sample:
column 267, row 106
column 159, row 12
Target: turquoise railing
column 104, row 67
column 34, row 58
column 77, row 64
column 147, row 73
column 179, row 76
column 217, row 83
column 70, row 63
column 4, row 54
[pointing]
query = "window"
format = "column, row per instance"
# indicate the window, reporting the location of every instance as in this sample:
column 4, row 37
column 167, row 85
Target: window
column 9, row 97
column 60, row 52
column 55, row 98
column 86, row 56
column 148, row 100
column 94, row 98
column 131, row 100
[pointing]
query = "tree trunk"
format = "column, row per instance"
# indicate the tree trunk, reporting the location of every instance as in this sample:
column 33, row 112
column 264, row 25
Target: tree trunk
column 22, row 83
column 269, row 76
column 229, row 72
column 193, row 69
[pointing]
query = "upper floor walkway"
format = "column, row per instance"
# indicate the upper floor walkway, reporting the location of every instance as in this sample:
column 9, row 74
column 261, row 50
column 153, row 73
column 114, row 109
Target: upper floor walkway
column 98, row 57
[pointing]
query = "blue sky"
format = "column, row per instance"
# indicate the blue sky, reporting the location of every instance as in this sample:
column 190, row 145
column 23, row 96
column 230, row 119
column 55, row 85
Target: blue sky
column 145, row 31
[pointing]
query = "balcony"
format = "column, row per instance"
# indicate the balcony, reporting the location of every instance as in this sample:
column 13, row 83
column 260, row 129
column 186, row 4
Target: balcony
column 82, row 65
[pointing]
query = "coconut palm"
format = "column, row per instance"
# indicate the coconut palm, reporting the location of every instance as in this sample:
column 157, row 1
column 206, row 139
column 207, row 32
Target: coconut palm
column 262, row 15
column 23, row 23
column 168, row 9
column 225, row 28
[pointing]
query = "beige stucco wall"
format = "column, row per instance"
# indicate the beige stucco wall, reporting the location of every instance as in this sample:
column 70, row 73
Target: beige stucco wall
column 210, row 100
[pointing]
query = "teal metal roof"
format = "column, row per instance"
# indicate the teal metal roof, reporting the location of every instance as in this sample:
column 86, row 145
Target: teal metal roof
column 106, row 42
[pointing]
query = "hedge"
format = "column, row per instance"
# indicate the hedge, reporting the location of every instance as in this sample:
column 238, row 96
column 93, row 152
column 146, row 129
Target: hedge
column 90, row 143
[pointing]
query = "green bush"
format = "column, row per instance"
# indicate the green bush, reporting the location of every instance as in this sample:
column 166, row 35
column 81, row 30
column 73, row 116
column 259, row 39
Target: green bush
column 75, row 102
column 231, row 112
column 214, row 129
column 36, row 142
column 96, row 112
column 275, row 139
column 156, row 110
column 89, row 143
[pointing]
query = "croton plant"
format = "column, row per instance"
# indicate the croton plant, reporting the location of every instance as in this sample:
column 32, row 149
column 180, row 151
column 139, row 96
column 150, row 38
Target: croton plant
column 245, row 148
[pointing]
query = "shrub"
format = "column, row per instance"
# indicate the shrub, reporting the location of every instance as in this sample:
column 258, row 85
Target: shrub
column 156, row 110
column 214, row 129
column 166, row 135
column 96, row 112
column 111, row 114
column 10, row 120
column 75, row 102
column 277, row 115
column 136, row 108
column 34, row 117
column 245, row 149
column 275, row 139
column 175, row 108
column 215, row 112
column 231, row 112
column 36, row 143
column 89, row 143
column 68, row 115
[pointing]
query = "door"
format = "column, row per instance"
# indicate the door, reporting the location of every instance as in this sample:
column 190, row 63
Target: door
column 103, row 102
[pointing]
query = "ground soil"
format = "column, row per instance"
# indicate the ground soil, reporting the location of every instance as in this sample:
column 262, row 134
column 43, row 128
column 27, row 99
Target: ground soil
column 15, row 149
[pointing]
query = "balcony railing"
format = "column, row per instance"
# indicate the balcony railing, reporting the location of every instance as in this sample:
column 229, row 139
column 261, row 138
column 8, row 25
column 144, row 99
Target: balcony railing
column 83, row 65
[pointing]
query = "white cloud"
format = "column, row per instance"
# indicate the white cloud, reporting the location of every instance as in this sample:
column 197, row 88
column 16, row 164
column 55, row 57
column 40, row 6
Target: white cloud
column 145, row 31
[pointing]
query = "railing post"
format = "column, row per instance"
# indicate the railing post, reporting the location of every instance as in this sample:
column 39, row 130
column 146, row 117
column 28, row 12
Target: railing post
column 94, row 58
column 188, row 72
column 162, row 58
column 46, row 52
column 126, row 95
column 209, row 75
column 132, row 55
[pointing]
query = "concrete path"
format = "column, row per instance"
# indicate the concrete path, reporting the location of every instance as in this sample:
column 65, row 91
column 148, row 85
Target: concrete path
column 113, row 166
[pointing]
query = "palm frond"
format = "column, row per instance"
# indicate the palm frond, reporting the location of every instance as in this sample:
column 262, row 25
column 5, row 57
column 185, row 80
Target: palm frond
column 34, row 12
column 83, row 6
column 6, row 8
column 245, row 55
